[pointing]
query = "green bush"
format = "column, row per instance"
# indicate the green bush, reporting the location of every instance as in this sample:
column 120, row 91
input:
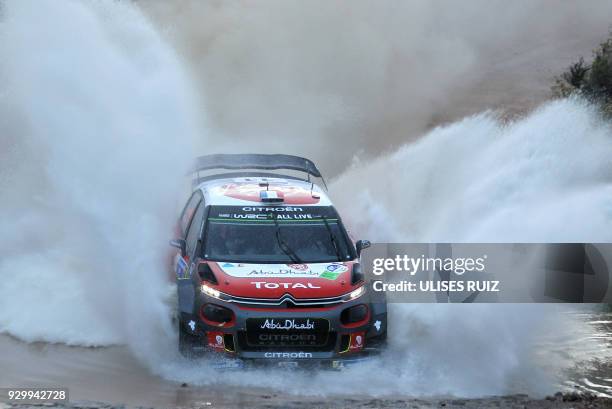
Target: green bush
column 593, row 81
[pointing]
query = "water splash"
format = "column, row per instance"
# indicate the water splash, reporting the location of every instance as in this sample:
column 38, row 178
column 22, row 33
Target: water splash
column 98, row 129
column 97, row 123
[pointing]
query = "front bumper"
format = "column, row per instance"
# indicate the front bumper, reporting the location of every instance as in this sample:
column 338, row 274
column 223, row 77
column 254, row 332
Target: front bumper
column 231, row 362
column 340, row 343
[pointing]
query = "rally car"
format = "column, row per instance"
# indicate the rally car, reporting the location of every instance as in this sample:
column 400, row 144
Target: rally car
column 265, row 269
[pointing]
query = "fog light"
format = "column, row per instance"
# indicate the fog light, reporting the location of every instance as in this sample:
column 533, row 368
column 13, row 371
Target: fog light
column 354, row 315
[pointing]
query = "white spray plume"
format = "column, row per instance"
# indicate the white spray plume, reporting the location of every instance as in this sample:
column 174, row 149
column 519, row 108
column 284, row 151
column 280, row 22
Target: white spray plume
column 97, row 124
column 544, row 178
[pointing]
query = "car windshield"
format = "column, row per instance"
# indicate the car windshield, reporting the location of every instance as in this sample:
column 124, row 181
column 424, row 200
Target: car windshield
column 275, row 234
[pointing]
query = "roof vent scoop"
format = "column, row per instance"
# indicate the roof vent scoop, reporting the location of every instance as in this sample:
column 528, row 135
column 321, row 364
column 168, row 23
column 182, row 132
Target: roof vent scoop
column 269, row 196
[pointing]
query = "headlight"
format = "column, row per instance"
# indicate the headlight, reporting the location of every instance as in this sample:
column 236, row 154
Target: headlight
column 357, row 293
column 354, row 294
column 211, row 292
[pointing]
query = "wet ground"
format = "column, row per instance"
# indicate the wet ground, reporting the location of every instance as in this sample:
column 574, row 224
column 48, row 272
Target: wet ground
column 113, row 375
column 590, row 355
column 270, row 401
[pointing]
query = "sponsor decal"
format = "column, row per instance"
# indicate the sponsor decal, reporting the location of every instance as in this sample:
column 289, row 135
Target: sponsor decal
column 329, row 276
column 336, row 268
column 271, row 286
column 287, row 325
column 192, row 325
column 182, row 271
column 215, row 340
column 304, row 338
column 289, row 331
column 332, row 271
column 329, row 271
column 240, row 216
column 337, row 364
column 272, row 209
column 377, row 325
column 262, row 216
column 295, row 217
column 299, row 267
column 283, row 272
column 225, row 364
column 356, row 342
column 288, row 355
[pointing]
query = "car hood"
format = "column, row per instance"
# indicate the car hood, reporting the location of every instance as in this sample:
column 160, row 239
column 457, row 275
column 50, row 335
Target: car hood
column 312, row 280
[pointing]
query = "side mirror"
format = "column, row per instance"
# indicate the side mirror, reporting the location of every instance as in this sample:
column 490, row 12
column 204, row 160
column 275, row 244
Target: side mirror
column 362, row 245
column 180, row 244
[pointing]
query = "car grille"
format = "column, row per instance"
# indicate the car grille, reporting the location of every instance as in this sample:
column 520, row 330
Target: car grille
column 288, row 301
column 261, row 334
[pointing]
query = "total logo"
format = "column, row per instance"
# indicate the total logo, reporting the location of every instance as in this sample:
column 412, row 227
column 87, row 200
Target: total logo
column 272, row 286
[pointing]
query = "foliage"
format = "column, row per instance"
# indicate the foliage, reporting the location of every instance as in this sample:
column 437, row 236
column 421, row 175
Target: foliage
column 593, row 81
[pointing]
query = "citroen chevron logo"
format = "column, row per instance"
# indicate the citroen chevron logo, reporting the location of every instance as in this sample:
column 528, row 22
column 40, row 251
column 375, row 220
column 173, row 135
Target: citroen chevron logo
column 287, row 298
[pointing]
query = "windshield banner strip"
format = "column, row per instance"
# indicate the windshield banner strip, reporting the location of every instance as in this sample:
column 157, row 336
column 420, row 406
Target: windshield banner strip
column 252, row 220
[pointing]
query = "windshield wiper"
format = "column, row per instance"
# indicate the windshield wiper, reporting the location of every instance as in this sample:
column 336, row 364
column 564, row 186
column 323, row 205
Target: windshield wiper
column 283, row 244
column 332, row 236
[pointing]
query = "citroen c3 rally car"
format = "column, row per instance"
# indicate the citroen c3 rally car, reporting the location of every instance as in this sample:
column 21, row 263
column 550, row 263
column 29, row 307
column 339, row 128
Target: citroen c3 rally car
column 265, row 269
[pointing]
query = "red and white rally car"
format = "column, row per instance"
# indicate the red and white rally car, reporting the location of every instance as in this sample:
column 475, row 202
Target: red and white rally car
column 265, row 269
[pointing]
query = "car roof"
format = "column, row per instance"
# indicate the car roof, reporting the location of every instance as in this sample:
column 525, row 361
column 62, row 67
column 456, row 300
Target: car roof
column 243, row 191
